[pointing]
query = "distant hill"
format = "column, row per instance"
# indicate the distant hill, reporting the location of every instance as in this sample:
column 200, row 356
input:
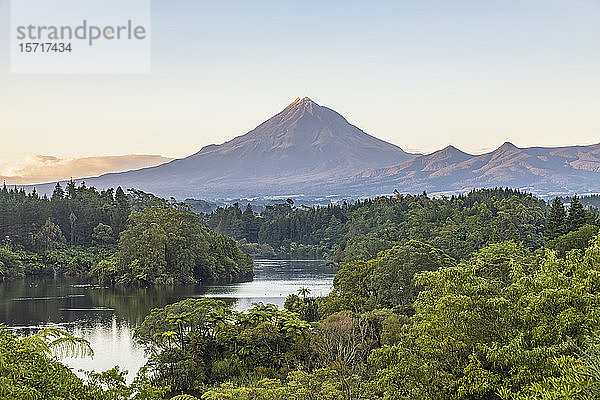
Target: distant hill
column 312, row 150
column 540, row 170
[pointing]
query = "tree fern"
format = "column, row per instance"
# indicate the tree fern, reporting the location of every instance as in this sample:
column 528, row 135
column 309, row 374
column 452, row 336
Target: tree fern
column 56, row 342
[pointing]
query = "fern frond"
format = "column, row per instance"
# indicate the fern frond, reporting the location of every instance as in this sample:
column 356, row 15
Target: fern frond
column 57, row 342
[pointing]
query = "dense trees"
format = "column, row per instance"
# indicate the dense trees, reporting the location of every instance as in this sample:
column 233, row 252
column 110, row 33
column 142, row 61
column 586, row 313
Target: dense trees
column 168, row 244
column 483, row 296
column 506, row 323
column 508, row 337
column 53, row 234
column 199, row 342
column 76, row 230
column 385, row 281
column 75, row 212
column 457, row 225
column 556, row 222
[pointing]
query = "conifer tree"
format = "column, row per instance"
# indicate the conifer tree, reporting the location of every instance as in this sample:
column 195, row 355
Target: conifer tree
column 576, row 217
column 58, row 193
column 555, row 225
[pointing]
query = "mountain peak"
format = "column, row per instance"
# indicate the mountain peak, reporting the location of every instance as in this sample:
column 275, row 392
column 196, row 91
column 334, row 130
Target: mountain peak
column 300, row 106
column 443, row 158
column 451, row 149
column 508, row 146
column 302, row 100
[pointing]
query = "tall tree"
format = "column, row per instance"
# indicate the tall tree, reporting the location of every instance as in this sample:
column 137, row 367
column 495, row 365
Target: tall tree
column 48, row 237
column 58, row 193
column 556, row 222
column 576, row 217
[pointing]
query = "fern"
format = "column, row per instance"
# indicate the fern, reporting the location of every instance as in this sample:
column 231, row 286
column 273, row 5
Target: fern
column 56, row 342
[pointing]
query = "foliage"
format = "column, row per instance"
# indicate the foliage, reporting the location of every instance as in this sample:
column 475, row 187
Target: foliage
column 39, row 223
column 557, row 219
column 167, row 244
column 507, row 338
column 200, row 342
column 29, row 372
column 322, row 384
column 457, row 225
column 11, row 265
column 386, row 281
column 306, row 307
column 577, row 216
column 578, row 239
column 53, row 341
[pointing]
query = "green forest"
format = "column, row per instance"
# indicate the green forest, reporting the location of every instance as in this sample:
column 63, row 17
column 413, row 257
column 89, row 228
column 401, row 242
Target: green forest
column 112, row 237
column 490, row 295
column 458, row 225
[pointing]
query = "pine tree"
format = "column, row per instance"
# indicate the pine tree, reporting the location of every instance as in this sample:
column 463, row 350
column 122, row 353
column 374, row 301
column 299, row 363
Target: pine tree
column 555, row 224
column 122, row 201
column 71, row 189
column 58, row 193
column 576, row 217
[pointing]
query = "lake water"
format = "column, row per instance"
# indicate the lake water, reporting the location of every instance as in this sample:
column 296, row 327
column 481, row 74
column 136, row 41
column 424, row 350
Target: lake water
column 107, row 316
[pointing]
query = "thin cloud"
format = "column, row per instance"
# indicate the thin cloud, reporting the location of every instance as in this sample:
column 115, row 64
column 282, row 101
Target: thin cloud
column 42, row 168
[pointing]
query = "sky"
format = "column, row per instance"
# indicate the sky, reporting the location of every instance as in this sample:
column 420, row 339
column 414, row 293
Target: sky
column 420, row 74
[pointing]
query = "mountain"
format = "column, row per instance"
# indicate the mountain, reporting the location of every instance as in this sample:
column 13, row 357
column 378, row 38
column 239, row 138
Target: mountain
column 540, row 170
column 303, row 149
column 312, row 150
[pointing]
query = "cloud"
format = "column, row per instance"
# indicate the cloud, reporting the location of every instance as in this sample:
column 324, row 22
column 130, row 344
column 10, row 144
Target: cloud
column 42, row 168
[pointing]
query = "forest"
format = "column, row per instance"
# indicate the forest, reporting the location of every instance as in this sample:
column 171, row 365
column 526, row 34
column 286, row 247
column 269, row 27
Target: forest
column 112, row 237
column 490, row 295
column 458, row 225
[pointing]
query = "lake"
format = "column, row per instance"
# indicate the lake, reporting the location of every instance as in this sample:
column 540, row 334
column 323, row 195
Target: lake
column 107, row 316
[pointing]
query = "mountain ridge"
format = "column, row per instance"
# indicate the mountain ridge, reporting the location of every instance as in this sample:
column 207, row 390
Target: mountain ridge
column 311, row 149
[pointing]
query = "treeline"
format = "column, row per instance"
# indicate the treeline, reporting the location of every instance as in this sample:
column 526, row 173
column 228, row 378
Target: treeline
column 76, row 210
column 590, row 200
column 112, row 237
column 458, row 225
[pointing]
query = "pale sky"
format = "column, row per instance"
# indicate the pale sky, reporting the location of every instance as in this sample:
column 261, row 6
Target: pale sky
column 419, row 74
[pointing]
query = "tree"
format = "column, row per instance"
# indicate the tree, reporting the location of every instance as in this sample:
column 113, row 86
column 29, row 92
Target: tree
column 557, row 219
column 72, row 221
column 506, row 339
column 29, row 369
column 578, row 239
column 48, row 237
column 72, row 189
column 198, row 342
column 11, row 265
column 165, row 244
column 103, row 235
column 577, row 217
column 58, row 193
column 392, row 278
column 303, row 291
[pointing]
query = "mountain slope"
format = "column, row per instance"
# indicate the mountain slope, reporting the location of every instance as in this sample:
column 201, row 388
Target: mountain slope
column 537, row 169
column 310, row 149
column 304, row 148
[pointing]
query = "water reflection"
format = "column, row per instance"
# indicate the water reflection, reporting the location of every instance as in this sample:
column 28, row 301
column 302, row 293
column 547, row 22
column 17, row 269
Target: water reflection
column 107, row 316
